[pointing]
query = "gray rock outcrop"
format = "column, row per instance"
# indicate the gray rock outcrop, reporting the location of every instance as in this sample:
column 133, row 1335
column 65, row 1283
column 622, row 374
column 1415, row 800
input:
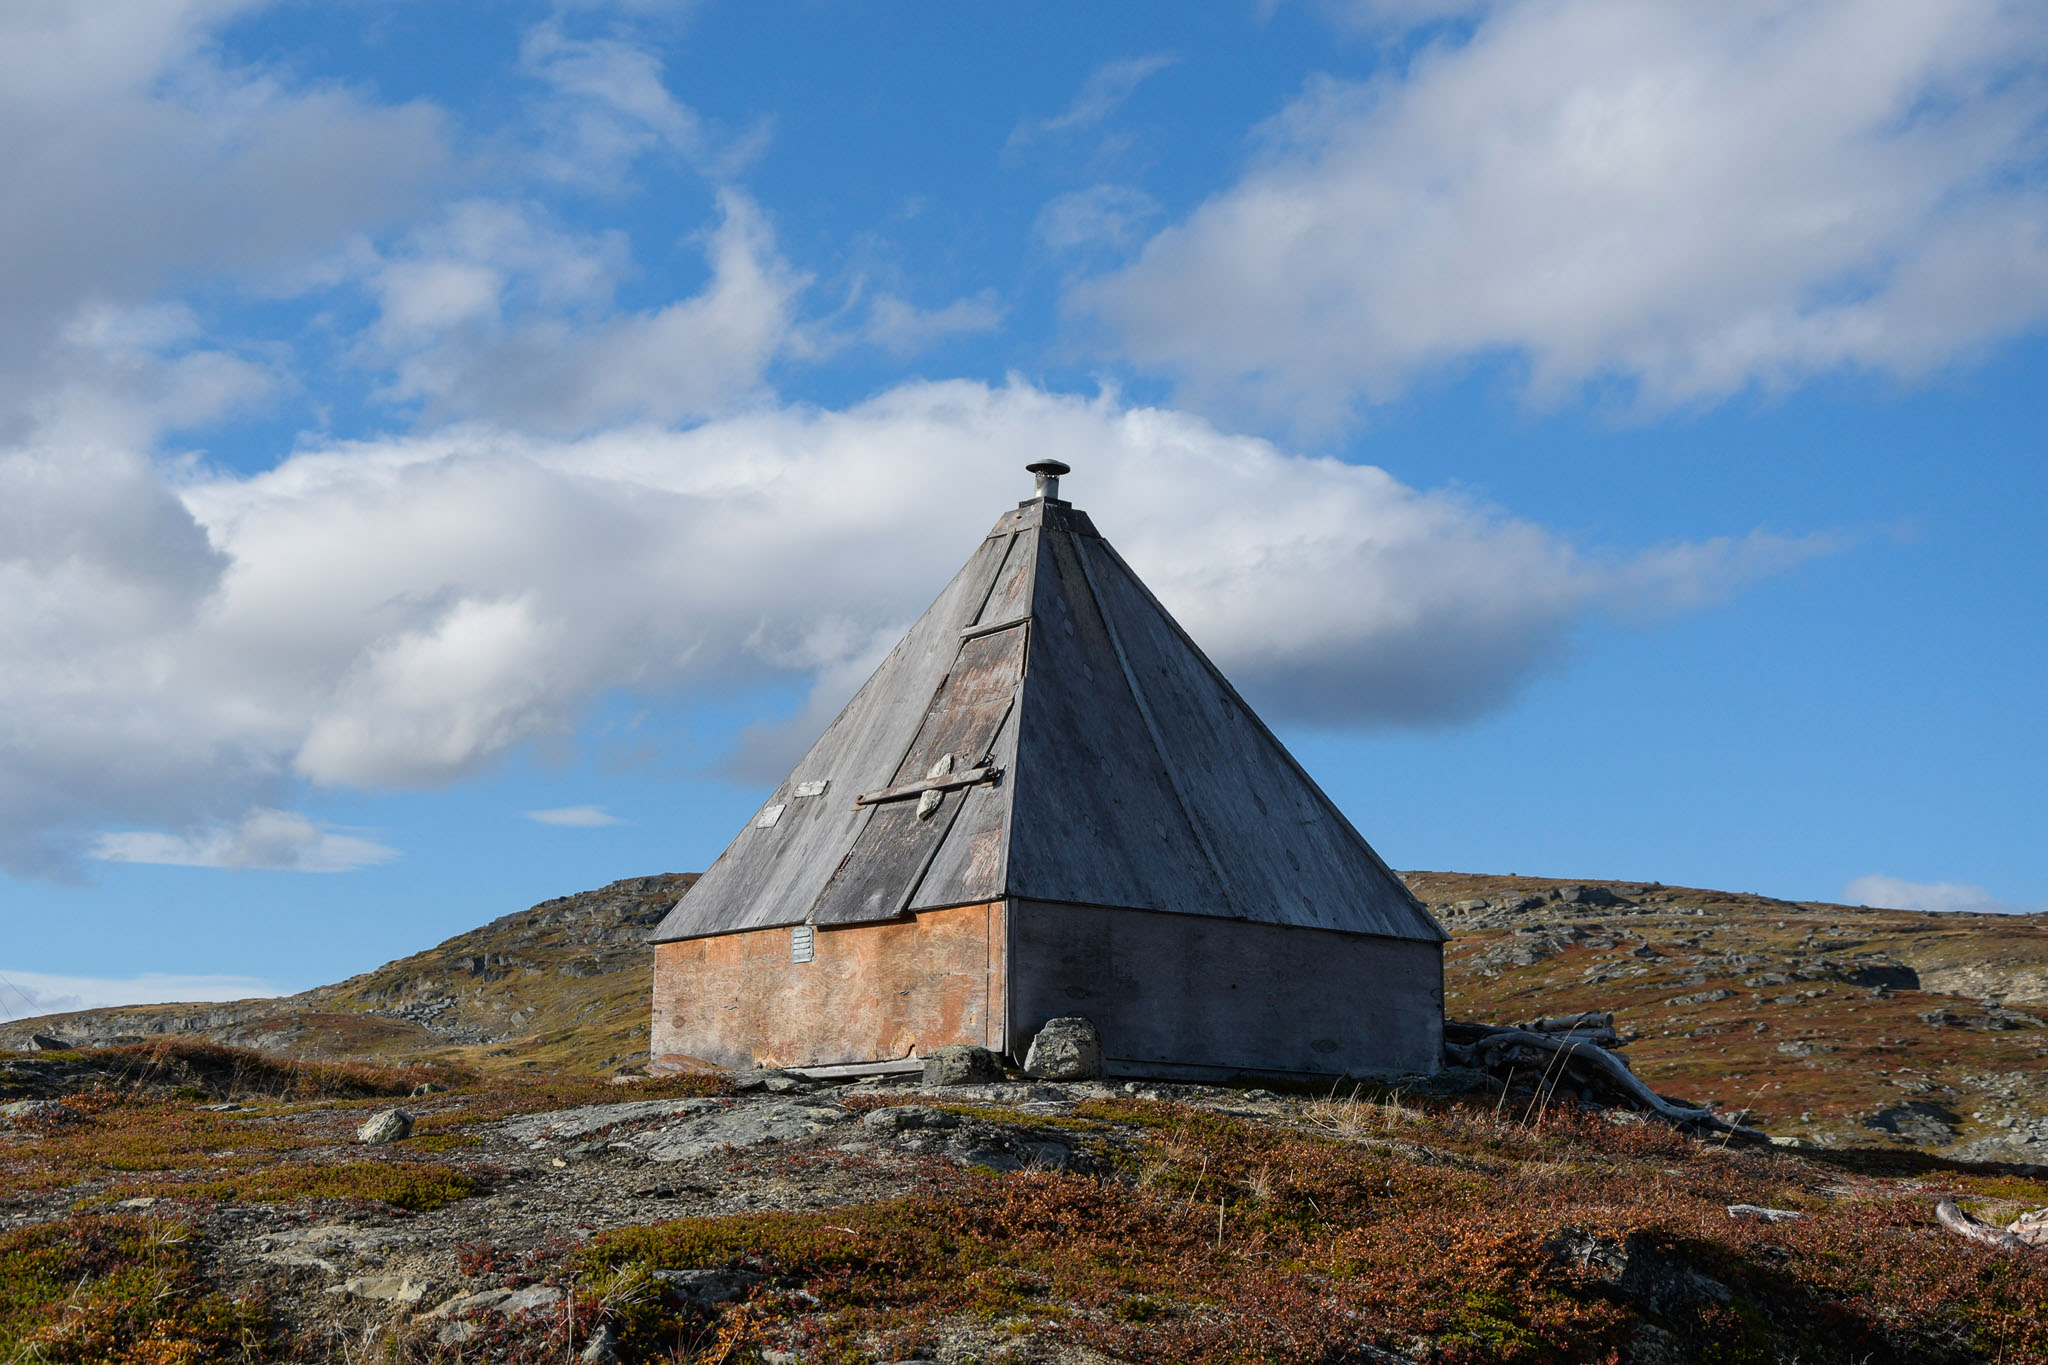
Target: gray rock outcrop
column 1066, row 1049
column 392, row 1125
column 960, row 1064
column 748, row 1125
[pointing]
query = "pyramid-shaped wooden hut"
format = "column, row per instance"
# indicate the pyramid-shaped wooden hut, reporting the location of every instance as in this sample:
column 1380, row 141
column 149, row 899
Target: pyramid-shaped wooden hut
column 1047, row 801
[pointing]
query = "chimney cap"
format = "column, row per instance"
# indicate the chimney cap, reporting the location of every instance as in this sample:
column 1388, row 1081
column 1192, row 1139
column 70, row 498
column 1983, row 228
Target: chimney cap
column 1048, row 474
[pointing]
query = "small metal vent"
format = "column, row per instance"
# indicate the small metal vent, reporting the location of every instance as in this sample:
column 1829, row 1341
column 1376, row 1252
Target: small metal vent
column 803, row 943
column 1047, row 473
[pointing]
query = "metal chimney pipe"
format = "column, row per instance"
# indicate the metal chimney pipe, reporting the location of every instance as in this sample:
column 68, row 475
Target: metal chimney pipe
column 1048, row 474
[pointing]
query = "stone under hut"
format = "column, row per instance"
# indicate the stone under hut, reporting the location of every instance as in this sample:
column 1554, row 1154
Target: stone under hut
column 1047, row 802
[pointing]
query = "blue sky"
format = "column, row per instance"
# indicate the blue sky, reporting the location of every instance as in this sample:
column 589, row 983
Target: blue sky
column 1606, row 440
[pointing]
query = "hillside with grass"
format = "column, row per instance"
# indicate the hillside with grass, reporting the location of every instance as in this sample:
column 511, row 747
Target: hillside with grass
column 561, row 987
column 1839, row 1025
column 184, row 1202
column 1835, row 1024
column 207, row 1193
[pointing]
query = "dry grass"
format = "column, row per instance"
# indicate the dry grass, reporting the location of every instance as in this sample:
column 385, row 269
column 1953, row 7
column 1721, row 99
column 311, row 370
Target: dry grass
column 146, row 1130
column 111, row 1290
column 1243, row 1242
column 1813, row 1056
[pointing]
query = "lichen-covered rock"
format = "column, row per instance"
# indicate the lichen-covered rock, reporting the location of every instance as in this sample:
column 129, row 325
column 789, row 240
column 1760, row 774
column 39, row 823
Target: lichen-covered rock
column 1639, row 1265
column 897, row 1117
column 1066, row 1049
column 748, row 1125
column 603, row 1347
column 21, row 1110
column 392, row 1125
column 961, row 1064
column 1917, row 1121
column 702, row 1288
column 405, row 1289
column 569, row 1125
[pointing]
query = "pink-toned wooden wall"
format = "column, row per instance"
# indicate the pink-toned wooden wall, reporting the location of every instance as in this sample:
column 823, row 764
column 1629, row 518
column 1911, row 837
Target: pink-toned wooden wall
column 872, row 993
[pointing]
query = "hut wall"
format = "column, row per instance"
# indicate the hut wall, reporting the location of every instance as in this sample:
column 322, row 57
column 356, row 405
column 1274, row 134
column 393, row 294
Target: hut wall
column 872, row 993
column 1178, row 994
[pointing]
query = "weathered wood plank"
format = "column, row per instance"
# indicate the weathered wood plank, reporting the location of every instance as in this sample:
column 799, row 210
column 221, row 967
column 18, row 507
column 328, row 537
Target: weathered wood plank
column 971, row 862
column 880, row 875
column 1287, row 853
column 973, row 777
column 774, row 876
column 1171, row 990
column 1093, row 814
column 877, row 992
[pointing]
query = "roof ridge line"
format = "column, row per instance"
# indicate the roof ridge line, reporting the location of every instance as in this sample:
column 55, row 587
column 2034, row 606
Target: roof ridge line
column 1173, row 779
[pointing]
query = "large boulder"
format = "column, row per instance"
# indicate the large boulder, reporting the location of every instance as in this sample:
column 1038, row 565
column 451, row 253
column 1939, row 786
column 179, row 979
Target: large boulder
column 1066, row 1049
column 392, row 1125
column 961, row 1064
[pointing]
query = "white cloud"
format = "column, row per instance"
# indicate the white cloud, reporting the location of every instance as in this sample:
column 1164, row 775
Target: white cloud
column 404, row 612
column 1101, row 95
column 576, row 817
column 492, row 314
column 611, row 107
column 25, row 994
column 129, row 152
column 1101, row 215
column 268, row 840
column 1691, row 200
column 1897, row 894
column 903, row 329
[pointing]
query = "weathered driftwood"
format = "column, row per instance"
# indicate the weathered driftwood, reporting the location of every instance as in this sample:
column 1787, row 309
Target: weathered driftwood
column 1757, row 1213
column 2031, row 1228
column 1567, row 1056
column 1590, row 1027
column 1976, row 1229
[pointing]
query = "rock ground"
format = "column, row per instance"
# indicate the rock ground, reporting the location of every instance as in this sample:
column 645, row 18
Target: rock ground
column 336, row 1270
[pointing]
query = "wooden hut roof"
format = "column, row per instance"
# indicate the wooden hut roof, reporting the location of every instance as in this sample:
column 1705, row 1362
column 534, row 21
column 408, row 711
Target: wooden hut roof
column 1046, row 731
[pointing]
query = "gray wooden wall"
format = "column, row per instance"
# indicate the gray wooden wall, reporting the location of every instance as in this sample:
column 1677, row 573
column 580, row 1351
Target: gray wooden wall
column 1178, row 994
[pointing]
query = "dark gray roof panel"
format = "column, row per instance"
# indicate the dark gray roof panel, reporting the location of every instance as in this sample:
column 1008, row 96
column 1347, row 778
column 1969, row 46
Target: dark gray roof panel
column 773, row 876
column 881, row 872
column 1094, row 817
column 972, row 864
column 1131, row 772
column 1286, row 854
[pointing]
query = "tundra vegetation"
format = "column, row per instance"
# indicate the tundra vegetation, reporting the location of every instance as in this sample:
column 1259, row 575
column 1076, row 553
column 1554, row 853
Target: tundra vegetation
column 184, row 1200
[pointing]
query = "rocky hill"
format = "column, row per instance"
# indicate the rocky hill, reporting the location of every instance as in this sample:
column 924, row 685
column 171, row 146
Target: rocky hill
column 563, row 986
column 1835, row 1024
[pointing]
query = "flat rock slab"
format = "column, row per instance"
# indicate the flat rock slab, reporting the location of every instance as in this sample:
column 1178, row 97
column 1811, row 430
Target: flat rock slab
column 327, row 1239
column 567, row 1125
column 510, row 1302
column 743, row 1125
column 384, row 1288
